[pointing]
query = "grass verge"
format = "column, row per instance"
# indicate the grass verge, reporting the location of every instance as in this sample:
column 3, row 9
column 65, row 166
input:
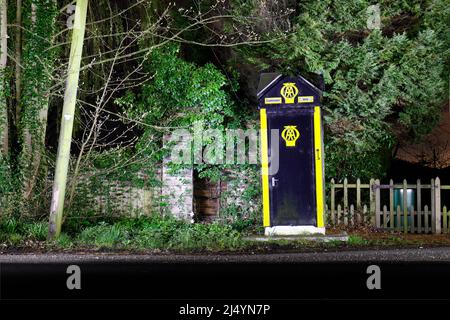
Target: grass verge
column 155, row 233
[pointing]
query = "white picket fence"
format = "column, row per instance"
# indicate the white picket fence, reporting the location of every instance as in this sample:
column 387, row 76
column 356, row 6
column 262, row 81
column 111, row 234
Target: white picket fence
column 411, row 218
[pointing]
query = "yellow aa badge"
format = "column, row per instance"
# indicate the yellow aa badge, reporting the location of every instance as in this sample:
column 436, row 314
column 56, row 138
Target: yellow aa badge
column 289, row 92
column 290, row 134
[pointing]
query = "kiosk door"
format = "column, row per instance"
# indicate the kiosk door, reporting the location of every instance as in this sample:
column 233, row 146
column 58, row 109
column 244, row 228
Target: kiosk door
column 292, row 188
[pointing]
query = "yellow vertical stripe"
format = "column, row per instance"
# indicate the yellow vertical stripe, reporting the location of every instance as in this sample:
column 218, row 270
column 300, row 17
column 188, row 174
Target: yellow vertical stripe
column 265, row 168
column 319, row 167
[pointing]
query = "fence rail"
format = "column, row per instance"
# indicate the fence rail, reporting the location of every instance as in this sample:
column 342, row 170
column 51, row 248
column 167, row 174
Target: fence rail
column 380, row 210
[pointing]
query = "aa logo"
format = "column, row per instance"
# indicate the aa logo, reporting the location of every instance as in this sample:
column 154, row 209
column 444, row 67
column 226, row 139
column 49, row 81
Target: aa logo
column 289, row 92
column 290, row 135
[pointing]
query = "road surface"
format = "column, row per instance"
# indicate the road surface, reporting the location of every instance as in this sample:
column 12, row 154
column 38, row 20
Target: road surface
column 438, row 254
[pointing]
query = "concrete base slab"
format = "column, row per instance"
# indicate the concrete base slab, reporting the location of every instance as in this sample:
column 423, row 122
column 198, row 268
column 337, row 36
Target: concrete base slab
column 317, row 238
column 293, row 230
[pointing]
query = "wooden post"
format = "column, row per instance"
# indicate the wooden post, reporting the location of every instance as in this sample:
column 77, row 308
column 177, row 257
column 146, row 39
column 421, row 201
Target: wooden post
column 412, row 219
column 444, row 216
column 398, row 218
column 65, row 137
column 352, row 213
column 358, row 195
column 426, row 218
column 364, row 212
column 338, row 214
column 333, row 202
column 345, row 199
column 345, row 218
column 405, row 206
column 372, row 202
column 391, row 204
column 419, row 207
column 359, row 215
column 377, row 204
column 385, row 217
column 437, row 204
column 433, row 207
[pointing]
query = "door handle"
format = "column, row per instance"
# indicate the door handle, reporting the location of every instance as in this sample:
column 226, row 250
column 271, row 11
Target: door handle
column 274, row 181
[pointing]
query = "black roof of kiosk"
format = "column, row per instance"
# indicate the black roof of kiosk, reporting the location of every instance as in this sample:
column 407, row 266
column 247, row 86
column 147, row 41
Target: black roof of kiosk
column 270, row 80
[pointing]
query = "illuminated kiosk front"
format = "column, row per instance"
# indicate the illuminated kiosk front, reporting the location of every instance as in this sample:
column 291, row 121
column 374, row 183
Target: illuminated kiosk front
column 291, row 155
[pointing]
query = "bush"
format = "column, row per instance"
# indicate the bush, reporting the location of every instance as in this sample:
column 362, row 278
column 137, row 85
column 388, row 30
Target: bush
column 35, row 231
column 154, row 232
column 157, row 232
column 14, row 230
column 103, row 235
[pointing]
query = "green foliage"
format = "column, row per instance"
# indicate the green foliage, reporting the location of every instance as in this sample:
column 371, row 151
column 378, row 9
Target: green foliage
column 35, row 230
column 157, row 232
column 356, row 240
column 5, row 177
column 379, row 83
column 15, row 230
column 9, row 224
column 103, row 235
column 38, row 59
column 179, row 95
column 64, row 241
column 152, row 232
column 242, row 199
column 38, row 63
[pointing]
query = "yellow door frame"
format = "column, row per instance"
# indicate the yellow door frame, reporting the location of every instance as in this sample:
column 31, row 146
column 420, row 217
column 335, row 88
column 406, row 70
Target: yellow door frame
column 318, row 147
column 265, row 167
column 318, row 159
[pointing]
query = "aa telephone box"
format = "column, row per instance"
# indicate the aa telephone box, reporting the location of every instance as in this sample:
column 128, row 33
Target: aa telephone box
column 291, row 155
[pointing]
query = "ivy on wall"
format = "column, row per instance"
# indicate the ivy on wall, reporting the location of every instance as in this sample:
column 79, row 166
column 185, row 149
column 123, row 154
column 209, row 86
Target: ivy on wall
column 179, row 95
column 39, row 21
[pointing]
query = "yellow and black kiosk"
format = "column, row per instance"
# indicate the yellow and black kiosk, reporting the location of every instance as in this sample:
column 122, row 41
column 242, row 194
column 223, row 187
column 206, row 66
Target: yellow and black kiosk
column 291, row 155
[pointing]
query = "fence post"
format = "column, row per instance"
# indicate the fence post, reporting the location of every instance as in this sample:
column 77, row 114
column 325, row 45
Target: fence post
column 358, row 195
column 426, row 218
column 384, row 217
column 419, row 207
column 333, row 202
column 338, row 214
column 377, row 204
column 437, row 204
column 444, row 215
column 352, row 213
column 433, row 207
column 372, row 202
column 391, row 204
column 398, row 218
column 405, row 206
column 345, row 200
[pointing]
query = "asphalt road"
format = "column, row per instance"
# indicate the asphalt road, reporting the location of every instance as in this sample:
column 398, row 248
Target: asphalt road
column 413, row 273
column 438, row 254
